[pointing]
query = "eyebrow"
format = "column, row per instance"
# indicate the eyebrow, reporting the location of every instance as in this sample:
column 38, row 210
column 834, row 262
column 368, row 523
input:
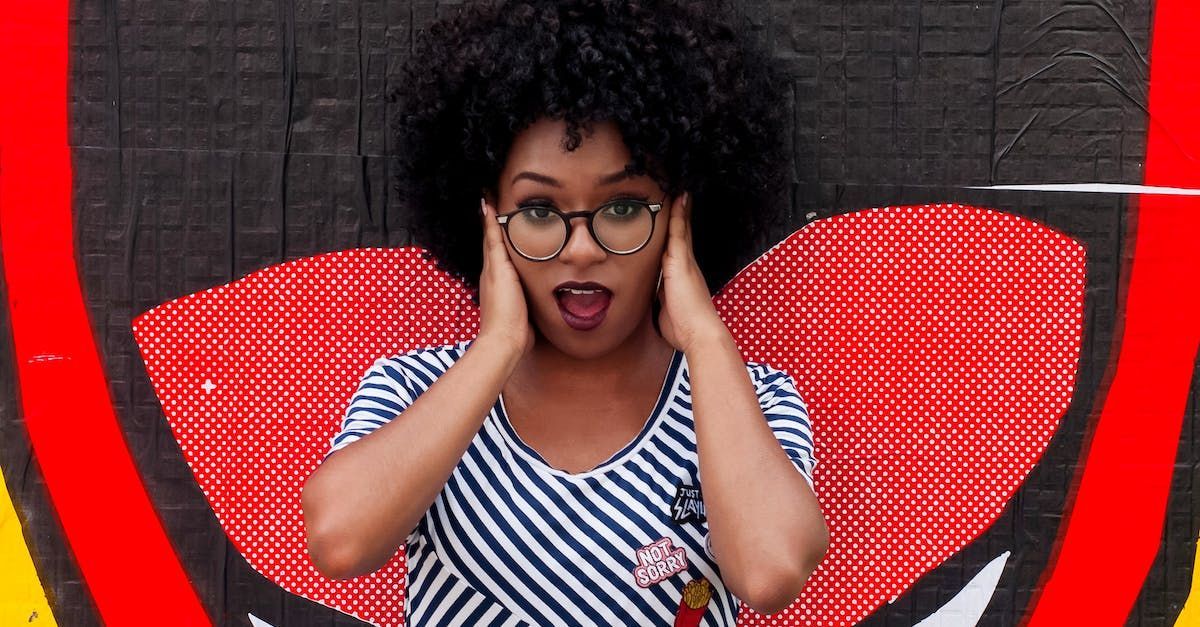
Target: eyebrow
column 542, row 178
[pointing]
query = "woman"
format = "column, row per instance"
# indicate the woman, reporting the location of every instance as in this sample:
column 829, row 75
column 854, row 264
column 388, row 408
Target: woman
column 548, row 471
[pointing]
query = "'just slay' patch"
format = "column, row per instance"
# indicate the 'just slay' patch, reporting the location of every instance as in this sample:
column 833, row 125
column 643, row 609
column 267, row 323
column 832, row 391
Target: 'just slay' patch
column 688, row 504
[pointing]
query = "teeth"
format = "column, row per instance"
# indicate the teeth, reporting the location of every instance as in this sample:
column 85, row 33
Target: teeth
column 575, row 291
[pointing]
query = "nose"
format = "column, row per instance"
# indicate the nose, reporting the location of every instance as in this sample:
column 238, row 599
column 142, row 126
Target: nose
column 580, row 243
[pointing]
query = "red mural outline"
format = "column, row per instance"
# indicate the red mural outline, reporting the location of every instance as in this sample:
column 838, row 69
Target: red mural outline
column 97, row 491
column 1104, row 554
column 1115, row 515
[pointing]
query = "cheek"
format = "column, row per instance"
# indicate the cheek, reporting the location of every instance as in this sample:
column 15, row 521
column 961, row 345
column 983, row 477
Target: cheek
column 525, row 276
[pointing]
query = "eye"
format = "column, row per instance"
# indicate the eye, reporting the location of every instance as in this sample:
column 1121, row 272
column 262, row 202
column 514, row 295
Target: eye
column 622, row 209
column 537, row 214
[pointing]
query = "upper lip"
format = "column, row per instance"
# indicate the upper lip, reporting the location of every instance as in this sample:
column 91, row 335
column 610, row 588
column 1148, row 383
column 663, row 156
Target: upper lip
column 581, row 285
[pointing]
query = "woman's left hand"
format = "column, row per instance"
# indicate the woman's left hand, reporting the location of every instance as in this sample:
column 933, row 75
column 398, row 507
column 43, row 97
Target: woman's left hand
column 687, row 312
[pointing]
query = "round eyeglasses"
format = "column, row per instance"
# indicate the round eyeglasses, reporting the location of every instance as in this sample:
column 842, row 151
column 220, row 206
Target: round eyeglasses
column 622, row 227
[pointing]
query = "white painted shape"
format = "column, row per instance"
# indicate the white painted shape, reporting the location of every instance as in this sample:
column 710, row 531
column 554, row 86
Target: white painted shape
column 966, row 608
column 1096, row 188
column 258, row 622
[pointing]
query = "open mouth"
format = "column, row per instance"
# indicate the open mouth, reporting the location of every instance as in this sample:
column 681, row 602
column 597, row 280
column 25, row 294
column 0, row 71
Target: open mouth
column 584, row 307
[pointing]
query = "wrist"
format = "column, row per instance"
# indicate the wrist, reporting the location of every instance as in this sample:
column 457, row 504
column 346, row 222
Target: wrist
column 715, row 337
column 509, row 351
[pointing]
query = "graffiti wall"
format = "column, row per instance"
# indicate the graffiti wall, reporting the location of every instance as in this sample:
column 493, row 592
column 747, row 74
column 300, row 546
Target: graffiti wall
column 985, row 293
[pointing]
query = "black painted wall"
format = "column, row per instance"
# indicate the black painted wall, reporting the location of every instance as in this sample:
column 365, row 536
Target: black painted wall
column 215, row 138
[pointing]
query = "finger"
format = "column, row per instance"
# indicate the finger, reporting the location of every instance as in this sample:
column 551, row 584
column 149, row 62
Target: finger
column 676, row 222
column 483, row 217
column 495, row 235
column 687, row 218
column 491, row 228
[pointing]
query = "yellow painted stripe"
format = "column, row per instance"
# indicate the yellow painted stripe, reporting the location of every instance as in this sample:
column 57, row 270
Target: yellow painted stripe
column 22, row 599
column 1190, row 616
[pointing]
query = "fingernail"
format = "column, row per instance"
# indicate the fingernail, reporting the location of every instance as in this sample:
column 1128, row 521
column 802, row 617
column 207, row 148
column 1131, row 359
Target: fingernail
column 482, row 206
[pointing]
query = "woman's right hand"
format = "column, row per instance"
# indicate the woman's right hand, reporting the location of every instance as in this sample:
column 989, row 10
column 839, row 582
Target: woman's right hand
column 503, row 312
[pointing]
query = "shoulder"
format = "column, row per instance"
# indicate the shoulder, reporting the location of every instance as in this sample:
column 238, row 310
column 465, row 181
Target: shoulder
column 766, row 376
column 763, row 370
column 421, row 363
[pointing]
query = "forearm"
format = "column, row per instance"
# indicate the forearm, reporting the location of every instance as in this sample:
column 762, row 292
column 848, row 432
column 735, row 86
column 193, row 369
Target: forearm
column 765, row 524
column 363, row 501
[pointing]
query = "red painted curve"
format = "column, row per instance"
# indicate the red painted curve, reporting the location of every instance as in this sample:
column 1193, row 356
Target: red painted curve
column 1116, row 516
column 123, row 552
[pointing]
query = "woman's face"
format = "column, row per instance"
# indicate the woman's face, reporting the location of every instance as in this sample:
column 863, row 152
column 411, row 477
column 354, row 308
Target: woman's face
column 540, row 171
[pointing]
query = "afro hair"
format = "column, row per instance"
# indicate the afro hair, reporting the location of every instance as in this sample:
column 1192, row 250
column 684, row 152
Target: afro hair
column 697, row 107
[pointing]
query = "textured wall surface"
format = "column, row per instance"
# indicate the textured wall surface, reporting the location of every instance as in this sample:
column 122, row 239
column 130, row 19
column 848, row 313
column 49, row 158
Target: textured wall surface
column 215, row 138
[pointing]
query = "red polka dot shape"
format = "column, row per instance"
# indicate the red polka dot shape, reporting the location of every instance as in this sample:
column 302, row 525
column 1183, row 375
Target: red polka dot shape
column 936, row 346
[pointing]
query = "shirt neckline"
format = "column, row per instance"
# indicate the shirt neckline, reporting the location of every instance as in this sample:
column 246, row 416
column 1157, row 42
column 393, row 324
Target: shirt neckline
column 670, row 384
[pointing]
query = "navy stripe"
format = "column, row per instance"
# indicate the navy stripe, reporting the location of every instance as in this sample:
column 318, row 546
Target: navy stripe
column 501, row 619
column 388, row 371
column 574, row 531
column 691, row 533
column 424, row 568
column 386, row 414
column 557, row 518
column 469, row 573
column 796, row 432
column 789, row 404
column 424, row 364
column 456, row 607
column 474, row 617
column 388, row 393
column 342, row 436
column 403, row 377
column 495, row 522
column 619, row 554
column 662, row 448
column 438, row 597
column 800, row 459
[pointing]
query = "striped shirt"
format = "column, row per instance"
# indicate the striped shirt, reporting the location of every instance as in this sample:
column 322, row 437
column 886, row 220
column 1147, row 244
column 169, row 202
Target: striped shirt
column 513, row 541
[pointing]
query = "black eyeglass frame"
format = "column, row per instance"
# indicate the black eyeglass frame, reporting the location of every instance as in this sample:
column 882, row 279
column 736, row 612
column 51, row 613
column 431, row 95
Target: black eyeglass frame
column 591, row 220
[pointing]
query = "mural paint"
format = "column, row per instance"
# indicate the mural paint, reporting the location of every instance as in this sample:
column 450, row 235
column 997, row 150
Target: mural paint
column 950, row 344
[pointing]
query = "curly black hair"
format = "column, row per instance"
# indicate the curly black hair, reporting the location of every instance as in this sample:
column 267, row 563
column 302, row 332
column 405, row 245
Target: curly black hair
column 697, row 106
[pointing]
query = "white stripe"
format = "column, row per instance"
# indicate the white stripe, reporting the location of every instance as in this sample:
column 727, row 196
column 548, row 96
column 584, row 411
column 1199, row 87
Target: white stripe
column 463, row 549
column 1095, row 188
column 596, row 553
column 513, row 555
column 457, row 590
column 701, row 539
column 584, row 588
column 691, row 530
column 421, row 598
column 490, row 614
column 588, row 523
column 513, row 621
column 569, row 499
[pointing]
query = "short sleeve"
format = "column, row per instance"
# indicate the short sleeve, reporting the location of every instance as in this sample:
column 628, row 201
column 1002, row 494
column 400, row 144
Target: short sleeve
column 386, row 389
column 787, row 415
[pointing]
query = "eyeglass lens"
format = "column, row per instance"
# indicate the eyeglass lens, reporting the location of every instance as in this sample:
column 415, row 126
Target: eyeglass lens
column 621, row 227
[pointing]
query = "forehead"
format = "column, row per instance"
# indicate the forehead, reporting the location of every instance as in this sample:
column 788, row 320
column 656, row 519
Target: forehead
column 539, row 148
